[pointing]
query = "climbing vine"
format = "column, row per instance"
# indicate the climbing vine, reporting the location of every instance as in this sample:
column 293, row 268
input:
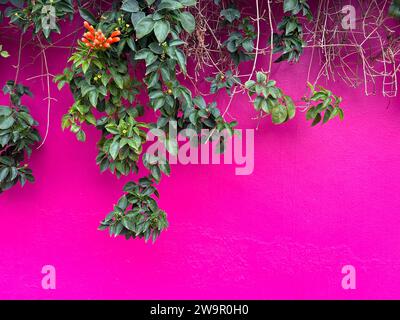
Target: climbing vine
column 18, row 134
column 126, row 50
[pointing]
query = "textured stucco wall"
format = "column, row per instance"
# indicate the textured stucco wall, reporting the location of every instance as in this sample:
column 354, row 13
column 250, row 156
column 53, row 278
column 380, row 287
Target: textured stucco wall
column 319, row 198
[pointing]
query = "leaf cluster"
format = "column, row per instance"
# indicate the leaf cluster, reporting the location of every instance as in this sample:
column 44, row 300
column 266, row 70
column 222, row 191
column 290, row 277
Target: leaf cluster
column 270, row 99
column 325, row 105
column 289, row 39
column 18, row 134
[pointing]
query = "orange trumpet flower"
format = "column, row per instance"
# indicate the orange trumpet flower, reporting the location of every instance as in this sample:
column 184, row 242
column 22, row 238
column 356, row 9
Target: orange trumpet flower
column 95, row 39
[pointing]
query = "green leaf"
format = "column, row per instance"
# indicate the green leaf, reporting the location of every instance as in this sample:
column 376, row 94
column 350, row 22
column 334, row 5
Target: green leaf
column 119, row 81
column 171, row 146
column 319, row 96
column 248, row 45
column 250, row 83
column 279, row 114
column 161, row 30
column 169, row 5
column 87, row 15
column 81, row 136
column 230, row 14
column 26, row 117
column 156, row 173
column 4, row 54
column 7, row 161
column 13, row 173
column 6, row 123
column 131, row 44
column 289, row 5
column 136, row 16
column 112, row 128
column 291, row 26
column 129, row 223
column 85, row 66
column 153, row 79
column 93, row 96
column 3, row 173
column 144, row 26
column 118, row 228
column 142, row 54
column 317, row 119
column 176, row 42
column 123, row 203
column 200, row 102
column 114, row 149
column 327, row 116
column 310, row 114
column 187, row 21
column 181, row 60
column 261, row 77
column 75, row 128
column 158, row 103
column 156, row 48
column 261, row 104
column 165, row 167
column 90, row 118
column 65, row 122
column 291, row 109
column 188, row 3
column 156, row 94
column 130, row 6
column 341, row 113
column 5, row 111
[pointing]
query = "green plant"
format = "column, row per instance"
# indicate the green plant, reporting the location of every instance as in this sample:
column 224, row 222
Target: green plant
column 3, row 53
column 240, row 43
column 230, row 14
column 295, row 7
column 40, row 14
column 100, row 79
column 394, row 9
column 136, row 214
column 289, row 41
column 223, row 81
column 18, row 134
column 131, row 61
column 326, row 105
column 270, row 99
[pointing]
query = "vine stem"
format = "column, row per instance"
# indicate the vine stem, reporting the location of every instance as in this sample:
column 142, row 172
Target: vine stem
column 314, row 42
column 253, row 68
column 271, row 53
column 48, row 98
column 19, row 59
column 272, row 38
column 258, row 37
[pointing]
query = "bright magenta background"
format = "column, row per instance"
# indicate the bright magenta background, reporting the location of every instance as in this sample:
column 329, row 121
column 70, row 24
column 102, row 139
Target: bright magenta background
column 319, row 198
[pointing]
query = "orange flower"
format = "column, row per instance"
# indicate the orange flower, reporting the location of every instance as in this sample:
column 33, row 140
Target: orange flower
column 115, row 34
column 95, row 39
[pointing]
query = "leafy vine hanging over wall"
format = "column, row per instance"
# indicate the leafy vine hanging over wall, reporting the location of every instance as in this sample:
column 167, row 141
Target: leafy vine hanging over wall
column 131, row 47
column 18, row 134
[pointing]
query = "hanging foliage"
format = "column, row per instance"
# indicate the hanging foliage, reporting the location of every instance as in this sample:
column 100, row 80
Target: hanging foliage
column 123, row 51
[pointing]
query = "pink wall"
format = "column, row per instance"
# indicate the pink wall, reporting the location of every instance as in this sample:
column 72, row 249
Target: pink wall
column 319, row 198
